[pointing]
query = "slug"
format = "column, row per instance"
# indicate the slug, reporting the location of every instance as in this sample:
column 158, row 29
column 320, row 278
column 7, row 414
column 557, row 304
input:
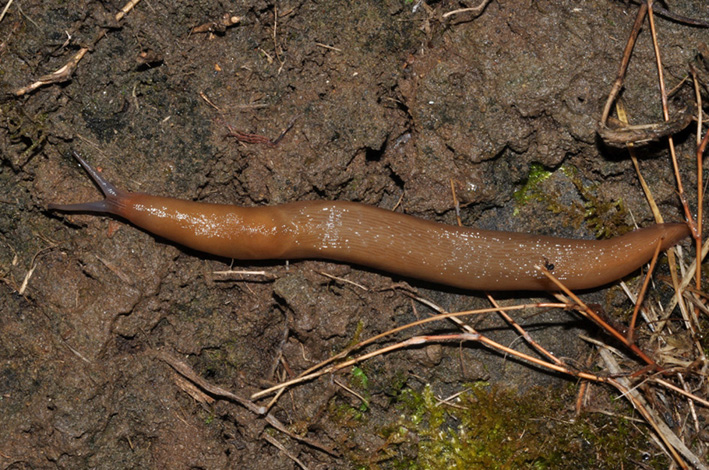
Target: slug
column 384, row 240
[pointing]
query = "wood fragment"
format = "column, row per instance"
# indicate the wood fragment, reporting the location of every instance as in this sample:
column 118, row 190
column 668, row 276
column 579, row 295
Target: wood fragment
column 616, row 134
column 220, row 26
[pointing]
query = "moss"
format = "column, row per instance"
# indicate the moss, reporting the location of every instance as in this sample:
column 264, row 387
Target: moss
column 531, row 189
column 490, row 428
column 359, row 377
column 605, row 217
column 357, row 336
column 346, row 415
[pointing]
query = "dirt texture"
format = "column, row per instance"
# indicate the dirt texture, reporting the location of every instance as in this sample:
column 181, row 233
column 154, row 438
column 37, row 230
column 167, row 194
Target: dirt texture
column 390, row 105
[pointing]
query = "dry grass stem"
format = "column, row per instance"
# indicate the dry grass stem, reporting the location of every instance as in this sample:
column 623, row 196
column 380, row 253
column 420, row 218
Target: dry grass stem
column 591, row 314
column 524, row 333
column 474, row 10
column 311, row 373
column 272, row 440
column 186, row 371
column 672, row 443
column 325, row 46
column 352, row 392
column 4, row 10
column 232, row 272
column 343, row 280
column 641, row 295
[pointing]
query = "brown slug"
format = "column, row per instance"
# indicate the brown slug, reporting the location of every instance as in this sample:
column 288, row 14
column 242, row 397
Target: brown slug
column 384, row 240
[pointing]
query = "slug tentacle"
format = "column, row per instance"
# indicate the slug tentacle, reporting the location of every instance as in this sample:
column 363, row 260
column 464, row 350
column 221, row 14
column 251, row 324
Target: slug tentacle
column 355, row 233
column 113, row 196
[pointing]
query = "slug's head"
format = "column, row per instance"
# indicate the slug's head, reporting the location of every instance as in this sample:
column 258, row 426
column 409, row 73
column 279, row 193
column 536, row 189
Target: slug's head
column 114, row 197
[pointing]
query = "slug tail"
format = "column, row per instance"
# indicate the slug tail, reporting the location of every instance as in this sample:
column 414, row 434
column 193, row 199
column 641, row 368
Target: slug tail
column 674, row 233
column 112, row 204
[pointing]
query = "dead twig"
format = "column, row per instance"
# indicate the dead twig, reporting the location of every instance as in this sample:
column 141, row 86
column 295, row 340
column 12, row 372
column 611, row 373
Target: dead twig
column 672, row 443
column 695, row 226
column 474, row 10
column 343, row 280
column 60, row 75
column 623, row 68
column 30, row 272
column 456, row 204
column 523, row 333
column 325, row 46
column 700, row 203
column 641, row 295
column 622, row 116
column 4, row 10
column 591, row 314
column 219, row 27
column 187, row 372
column 276, row 47
column 666, row 114
column 677, row 17
column 258, row 138
column 283, row 449
column 322, row 368
column 617, row 134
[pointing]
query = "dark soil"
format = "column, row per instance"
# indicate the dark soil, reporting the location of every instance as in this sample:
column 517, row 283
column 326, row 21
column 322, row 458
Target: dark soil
column 390, row 106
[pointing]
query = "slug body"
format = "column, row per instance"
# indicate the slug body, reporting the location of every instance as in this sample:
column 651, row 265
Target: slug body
column 408, row 246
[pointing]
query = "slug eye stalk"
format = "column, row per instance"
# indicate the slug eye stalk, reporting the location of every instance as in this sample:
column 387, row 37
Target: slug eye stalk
column 107, row 205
